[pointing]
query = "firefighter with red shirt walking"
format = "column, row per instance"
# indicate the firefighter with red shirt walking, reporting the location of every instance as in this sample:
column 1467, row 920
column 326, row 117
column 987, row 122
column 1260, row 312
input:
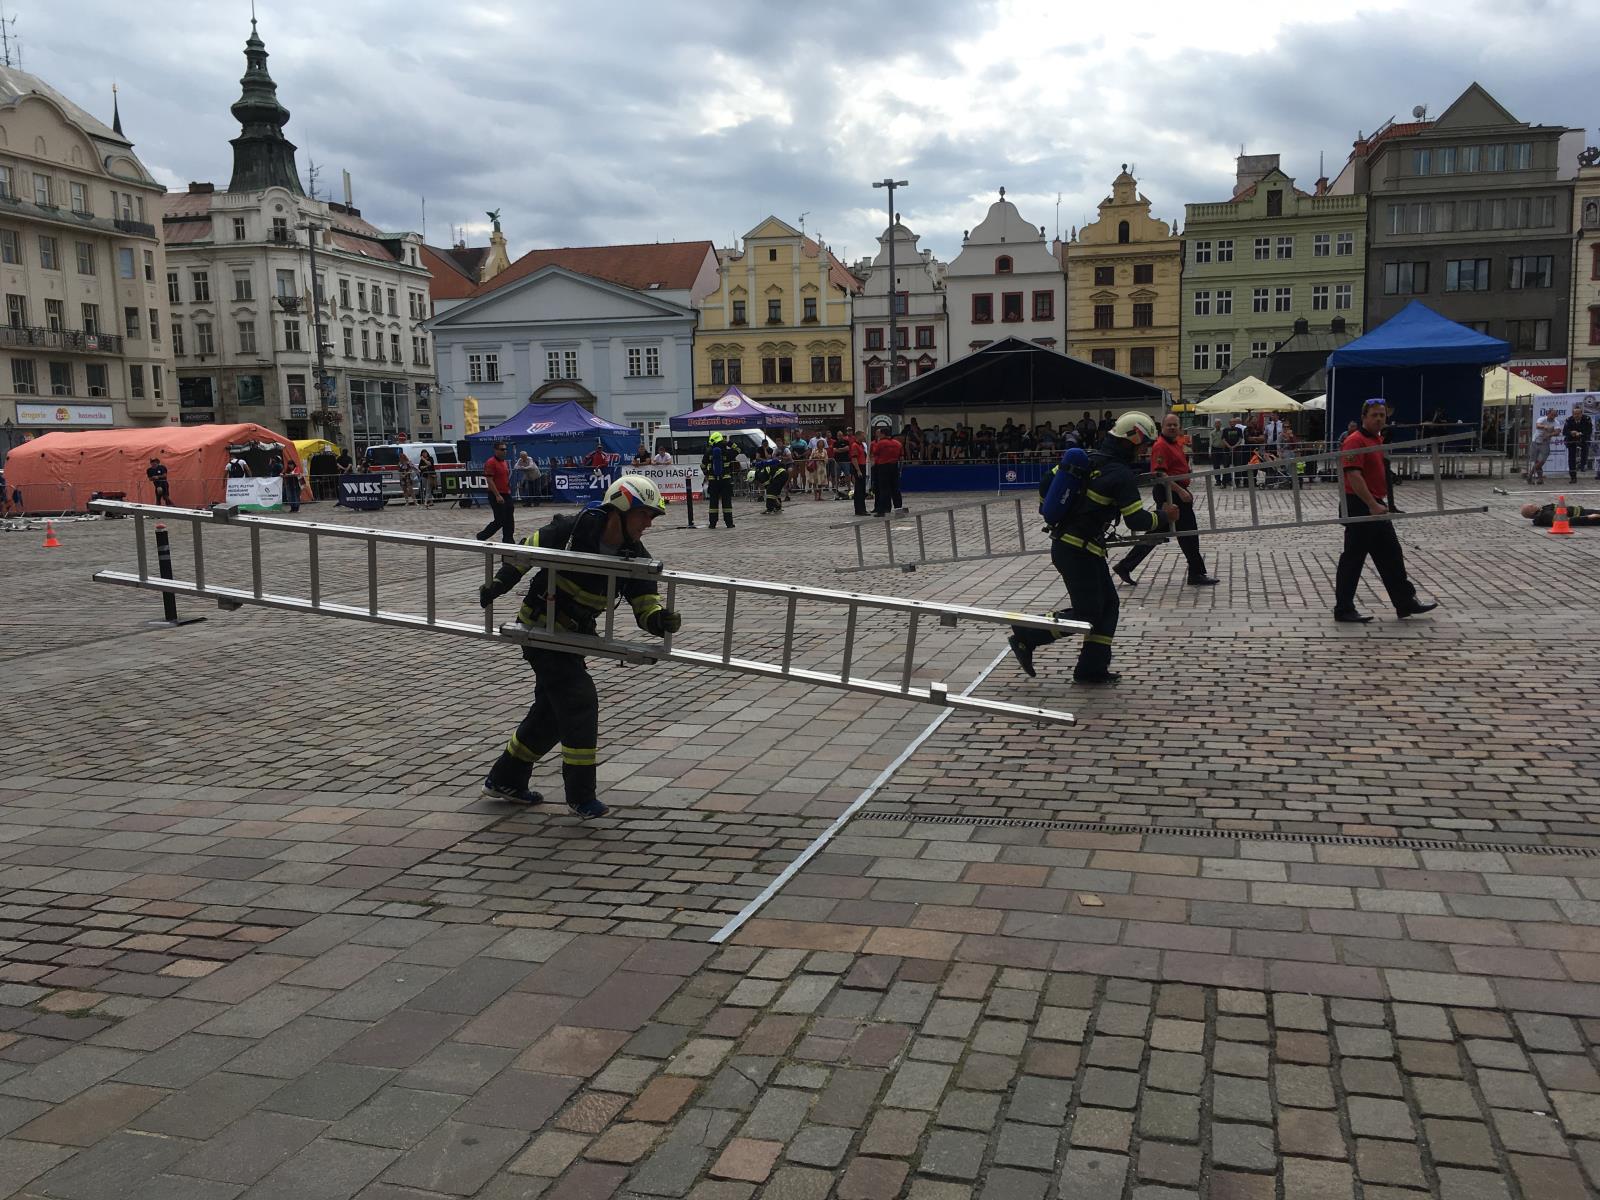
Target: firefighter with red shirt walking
column 1170, row 466
column 1366, row 489
column 858, row 471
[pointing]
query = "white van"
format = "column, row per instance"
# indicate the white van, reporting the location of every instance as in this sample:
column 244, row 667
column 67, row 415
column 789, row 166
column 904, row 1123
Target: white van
column 385, row 461
column 688, row 448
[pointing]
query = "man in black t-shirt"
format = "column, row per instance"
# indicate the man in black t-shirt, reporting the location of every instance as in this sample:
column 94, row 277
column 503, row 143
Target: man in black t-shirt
column 156, row 473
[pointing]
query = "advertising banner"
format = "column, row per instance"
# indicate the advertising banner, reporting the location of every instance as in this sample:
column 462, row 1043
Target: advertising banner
column 579, row 485
column 360, row 491
column 672, row 480
column 1555, row 410
column 1548, row 373
column 256, row 495
column 63, row 414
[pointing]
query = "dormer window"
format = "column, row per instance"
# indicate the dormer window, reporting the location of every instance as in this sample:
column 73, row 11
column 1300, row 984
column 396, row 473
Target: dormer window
column 1002, row 265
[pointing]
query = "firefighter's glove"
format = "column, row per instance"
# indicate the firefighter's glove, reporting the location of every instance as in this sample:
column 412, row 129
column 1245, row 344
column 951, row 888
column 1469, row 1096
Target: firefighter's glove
column 488, row 593
column 662, row 622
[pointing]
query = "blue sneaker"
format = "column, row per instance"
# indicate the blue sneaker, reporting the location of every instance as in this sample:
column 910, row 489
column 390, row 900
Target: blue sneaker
column 588, row 809
column 516, row 795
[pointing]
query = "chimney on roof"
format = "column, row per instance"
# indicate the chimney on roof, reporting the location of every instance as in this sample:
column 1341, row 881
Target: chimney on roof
column 201, row 189
column 1336, row 325
column 1301, row 325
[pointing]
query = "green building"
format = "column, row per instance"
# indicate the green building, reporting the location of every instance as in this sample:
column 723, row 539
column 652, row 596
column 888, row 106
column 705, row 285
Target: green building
column 1256, row 263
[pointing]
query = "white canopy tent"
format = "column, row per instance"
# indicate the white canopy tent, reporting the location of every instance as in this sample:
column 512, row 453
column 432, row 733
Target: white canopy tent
column 1317, row 403
column 1502, row 387
column 1248, row 395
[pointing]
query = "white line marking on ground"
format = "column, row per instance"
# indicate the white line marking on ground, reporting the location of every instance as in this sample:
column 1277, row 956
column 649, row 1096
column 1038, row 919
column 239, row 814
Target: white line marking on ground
column 823, row 838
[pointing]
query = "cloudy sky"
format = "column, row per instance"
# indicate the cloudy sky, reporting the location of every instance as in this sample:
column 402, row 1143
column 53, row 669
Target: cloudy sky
column 670, row 120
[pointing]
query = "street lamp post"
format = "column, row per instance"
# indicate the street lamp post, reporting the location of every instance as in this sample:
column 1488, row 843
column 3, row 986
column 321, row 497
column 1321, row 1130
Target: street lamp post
column 894, row 324
column 312, row 228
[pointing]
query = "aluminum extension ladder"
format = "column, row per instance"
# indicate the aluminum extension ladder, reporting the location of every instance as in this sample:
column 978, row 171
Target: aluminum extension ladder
column 838, row 607
column 1003, row 526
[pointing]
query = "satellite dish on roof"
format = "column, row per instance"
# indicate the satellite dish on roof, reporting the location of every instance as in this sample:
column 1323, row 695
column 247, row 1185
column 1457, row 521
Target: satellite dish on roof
column 1420, row 112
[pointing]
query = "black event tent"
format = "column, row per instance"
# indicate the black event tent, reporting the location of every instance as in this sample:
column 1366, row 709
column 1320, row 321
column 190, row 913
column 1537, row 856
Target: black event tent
column 1014, row 377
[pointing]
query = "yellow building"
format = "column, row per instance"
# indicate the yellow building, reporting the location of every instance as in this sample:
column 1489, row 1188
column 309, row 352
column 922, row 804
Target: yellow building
column 1124, row 274
column 778, row 326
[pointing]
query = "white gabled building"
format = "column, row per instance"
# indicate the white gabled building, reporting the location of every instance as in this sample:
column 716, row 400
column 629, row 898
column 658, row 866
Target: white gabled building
column 922, row 324
column 1006, row 282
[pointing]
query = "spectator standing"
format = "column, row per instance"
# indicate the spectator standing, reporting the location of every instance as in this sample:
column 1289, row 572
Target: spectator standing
column 858, row 471
column 1544, row 431
column 497, row 474
column 598, row 458
column 345, row 463
column 1232, row 451
column 886, row 454
column 1273, row 432
column 428, row 472
column 1106, row 422
column 914, row 440
column 1366, row 484
column 532, row 483
column 1088, row 431
column 519, row 475
column 156, row 473
column 1572, row 435
column 292, row 479
column 408, row 478
column 1585, row 438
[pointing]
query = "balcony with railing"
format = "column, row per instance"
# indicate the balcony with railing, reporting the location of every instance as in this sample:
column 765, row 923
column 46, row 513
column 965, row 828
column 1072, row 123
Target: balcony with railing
column 78, row 341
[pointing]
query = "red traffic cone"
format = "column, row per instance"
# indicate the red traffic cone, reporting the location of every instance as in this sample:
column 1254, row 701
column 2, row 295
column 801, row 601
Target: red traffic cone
column 1559, row 525
column 50, row 542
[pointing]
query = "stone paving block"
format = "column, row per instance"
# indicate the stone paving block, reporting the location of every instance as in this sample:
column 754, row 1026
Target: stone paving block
column 1458, row 1184
column 251, row 1147
column 325, row 1170
column 90, row 1115
column 1044, row 1101
column 1007, row 1183
column 329, row 1091
column 1248, row 1146
column 1170, row 1164
column 1311, row 1133
column 917, row 1085
column 871, row 1179
column 1031, row 1146
column 952, row 1154
column 1464, row 1143
column 1314, row 1180
column 397, row 1117
column 110, row 1170
column 68, row 1073
column 1102, row 1128
column 515, row 1099
column 457, row 1158
column 1174, row 1072
column 1092, row 1175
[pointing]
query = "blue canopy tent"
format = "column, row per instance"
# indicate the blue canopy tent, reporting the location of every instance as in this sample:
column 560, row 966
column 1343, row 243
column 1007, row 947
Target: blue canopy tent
column 551, row 433
column 1421, row 363
column 733, row 410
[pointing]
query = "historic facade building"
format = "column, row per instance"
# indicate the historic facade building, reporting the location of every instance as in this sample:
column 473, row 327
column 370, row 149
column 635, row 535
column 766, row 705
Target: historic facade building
column 1258, row 262
column 922, row 327
column 1469, row 213
column 778, row 325
column 239, row 292
column 1585, row 373
column 611, row 327
column 1005, row 283
column 85, row 340
column 1124, row 278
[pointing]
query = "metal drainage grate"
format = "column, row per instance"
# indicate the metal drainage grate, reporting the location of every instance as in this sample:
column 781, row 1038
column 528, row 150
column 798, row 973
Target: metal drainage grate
column 1248, row 835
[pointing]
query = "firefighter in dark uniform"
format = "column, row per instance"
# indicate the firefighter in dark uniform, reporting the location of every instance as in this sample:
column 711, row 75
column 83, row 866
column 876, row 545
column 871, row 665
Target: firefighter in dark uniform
column 1078, row 548
column 565, row 707
column 772, row 476
column 719, row 464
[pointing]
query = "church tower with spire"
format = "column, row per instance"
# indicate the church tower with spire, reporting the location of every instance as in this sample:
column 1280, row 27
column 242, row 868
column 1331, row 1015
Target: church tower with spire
column 262, row 156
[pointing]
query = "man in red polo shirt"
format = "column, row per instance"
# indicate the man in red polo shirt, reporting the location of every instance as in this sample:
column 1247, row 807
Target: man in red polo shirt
column 1170, row 466
column 1366, row 488
column 497, row 474
column 886, row 450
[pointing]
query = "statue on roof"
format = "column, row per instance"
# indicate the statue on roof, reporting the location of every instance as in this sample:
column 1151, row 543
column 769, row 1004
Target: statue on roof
column 494, row 215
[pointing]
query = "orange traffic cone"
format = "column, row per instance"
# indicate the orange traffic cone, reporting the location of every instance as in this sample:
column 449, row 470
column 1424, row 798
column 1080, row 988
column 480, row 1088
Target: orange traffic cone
column 1559, row 525
column 50, row 542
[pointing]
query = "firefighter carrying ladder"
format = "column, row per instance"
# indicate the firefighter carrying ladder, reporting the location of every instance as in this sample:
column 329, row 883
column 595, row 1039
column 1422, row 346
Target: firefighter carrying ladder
column 852, row 610
column 946, row 535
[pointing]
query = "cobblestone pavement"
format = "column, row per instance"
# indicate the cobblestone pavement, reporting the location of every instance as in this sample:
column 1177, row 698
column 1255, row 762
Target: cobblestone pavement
column 1298, row 910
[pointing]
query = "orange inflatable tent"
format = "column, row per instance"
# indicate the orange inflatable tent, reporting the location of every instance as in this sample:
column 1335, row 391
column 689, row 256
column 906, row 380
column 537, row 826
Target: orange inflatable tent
column 61, row 472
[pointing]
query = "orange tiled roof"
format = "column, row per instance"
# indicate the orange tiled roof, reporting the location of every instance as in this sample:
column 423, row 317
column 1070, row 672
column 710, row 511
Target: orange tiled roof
column 649, row 266
column 452, row 278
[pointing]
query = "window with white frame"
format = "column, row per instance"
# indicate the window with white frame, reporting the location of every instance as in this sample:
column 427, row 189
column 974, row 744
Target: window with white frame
column 1225, row 250
column 49, row 256
column 130, row 322
column 1344, row 295
column 247, row 337
column 1263, row 248
column 241, row 286
column 286, row 283
column 80, row 199
column 484, row 367
column 10, row 247
column 7, row 184
column 1224, row 355
column 1345, row 244
column 1225, row 302
column 200, row 286
column 238, row 229
column 95, row 375
column 1321, row 245
column 41, row 190
column 23, row 380
column 394, row 347
column 205, row 341
column 125, row 263
column 1202, row 303
column 1202, row 356
column 177, row 338
column 291, row 333
column 394, row 304
column 349, row 342
column 91, row 317
column 366, row 352
column 1202, row 252
column 1260, row 300
column 1319, row 297
column 155, row 324
column 174, row 293
column 85, row 258
column 1282, row 299
column 136, row 381
column 1286, row 246
column 155, row 381
column 55, row 316
column 1259, row 349
column 569, row 364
